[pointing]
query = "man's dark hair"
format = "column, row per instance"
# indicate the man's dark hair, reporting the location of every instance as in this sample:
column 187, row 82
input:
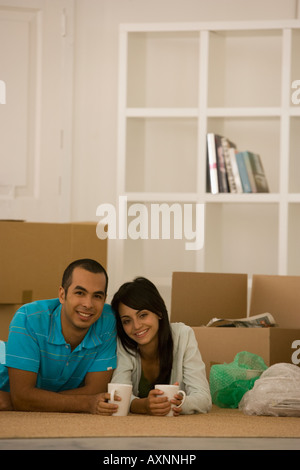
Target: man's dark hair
column 89, row 265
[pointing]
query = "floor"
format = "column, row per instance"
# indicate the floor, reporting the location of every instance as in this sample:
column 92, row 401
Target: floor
column 143, row 443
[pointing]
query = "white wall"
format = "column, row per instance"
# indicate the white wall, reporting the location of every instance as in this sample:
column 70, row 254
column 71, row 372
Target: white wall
column 96, row 78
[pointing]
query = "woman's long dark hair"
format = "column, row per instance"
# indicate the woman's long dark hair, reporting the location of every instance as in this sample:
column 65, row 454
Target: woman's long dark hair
column 141, row 294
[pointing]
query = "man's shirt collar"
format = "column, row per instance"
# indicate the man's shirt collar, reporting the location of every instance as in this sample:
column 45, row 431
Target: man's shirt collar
column 90, row 341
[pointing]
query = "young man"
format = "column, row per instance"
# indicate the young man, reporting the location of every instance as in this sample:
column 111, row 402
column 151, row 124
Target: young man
column 61, row 353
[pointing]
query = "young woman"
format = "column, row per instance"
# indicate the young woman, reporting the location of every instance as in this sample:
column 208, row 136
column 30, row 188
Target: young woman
column 153, row 351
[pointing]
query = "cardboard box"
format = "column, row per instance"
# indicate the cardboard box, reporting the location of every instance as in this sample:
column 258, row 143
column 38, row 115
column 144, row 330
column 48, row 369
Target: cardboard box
column 7, row 311
column 278, row 295
column 198, row 297
column 34, row 256
column 219, row 345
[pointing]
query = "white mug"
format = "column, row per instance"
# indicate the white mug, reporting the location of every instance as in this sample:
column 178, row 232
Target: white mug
column 124, row 392
column 170, row 391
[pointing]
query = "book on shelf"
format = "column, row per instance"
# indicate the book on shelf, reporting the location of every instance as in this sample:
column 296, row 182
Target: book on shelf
column 241, row 164
column 229, row 150
column 235, row 183
column 231, row 170
column 221, row 165
column 212, row 164
column 259, row 178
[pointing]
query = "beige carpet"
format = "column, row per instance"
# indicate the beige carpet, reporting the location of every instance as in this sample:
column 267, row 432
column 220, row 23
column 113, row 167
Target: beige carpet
column 218, row 423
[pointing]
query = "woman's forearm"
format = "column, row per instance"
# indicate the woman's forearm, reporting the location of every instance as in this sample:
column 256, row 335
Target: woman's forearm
column 139, row 405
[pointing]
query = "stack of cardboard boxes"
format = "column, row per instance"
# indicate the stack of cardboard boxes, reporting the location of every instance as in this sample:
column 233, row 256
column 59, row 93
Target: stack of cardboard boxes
column 33, row 257
column 197, row 298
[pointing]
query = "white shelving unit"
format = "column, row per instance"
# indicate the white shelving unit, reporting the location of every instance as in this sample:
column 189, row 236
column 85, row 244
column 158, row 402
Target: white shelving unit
column 177, row 82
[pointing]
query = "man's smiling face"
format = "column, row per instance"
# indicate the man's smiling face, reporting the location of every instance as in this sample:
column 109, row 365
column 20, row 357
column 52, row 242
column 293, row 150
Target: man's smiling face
column 83, row 302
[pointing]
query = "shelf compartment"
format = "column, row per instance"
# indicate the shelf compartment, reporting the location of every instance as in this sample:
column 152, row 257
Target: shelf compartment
column 244, row 68
column 158, row 258
column 259, row 135
column 148, row 258
column 154, row 59
column 241, row 238
column 161, row 155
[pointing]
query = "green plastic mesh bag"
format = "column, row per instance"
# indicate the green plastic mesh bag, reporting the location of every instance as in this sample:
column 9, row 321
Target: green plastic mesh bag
column 229, row 382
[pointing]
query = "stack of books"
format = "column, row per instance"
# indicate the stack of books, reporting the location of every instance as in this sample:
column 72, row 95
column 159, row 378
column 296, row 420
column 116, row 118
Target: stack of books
column 232, row 171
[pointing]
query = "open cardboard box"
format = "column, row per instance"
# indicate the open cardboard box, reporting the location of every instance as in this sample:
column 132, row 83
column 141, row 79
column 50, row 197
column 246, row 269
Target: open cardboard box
column 199, row 297
column 34, row 256
column 279, row 295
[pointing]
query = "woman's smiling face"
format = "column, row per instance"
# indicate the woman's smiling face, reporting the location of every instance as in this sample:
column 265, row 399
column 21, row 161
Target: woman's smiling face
column 140, row 325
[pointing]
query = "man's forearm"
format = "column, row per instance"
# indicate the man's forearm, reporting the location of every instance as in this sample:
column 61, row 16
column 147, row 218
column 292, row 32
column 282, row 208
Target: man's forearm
column 26, row 396
column 44, row 400
column 5, row 401
column 95, row 382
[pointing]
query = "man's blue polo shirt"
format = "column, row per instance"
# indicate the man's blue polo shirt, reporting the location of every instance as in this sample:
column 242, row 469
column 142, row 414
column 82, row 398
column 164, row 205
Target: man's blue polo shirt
column 36, row 344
